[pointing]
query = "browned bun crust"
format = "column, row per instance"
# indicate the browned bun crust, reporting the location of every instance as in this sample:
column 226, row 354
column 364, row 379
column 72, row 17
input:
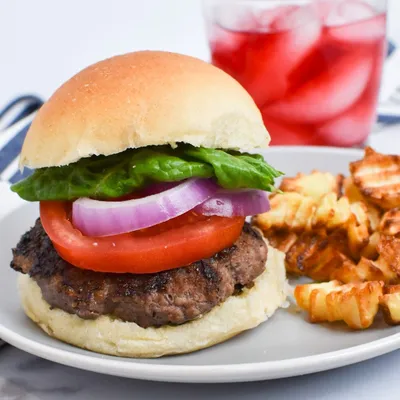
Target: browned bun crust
column 141, row 99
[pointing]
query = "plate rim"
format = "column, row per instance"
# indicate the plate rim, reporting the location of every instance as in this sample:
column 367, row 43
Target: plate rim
column 218, row 373
column 356, row 151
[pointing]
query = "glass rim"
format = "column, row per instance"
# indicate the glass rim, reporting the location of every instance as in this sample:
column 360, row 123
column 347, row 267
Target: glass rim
column 212, row 2
column 209, row 7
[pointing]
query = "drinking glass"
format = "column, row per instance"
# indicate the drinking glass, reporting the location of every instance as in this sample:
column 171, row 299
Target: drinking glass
column 313, row 67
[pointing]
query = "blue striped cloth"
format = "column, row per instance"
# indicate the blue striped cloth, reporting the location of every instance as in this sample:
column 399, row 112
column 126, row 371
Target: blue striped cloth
column 15, row 120
column 10, row 152
column 20, row 112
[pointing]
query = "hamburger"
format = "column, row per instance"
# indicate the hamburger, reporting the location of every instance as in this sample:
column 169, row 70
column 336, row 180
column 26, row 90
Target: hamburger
column 142, row 248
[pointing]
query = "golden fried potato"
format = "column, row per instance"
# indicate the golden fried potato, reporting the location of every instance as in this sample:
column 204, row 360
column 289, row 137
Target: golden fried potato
column 390, row 304
column 297, row 213
column 358, row 229
column 344, row 232
column 391, row 289
column 317, row 255
column 390, row 222
column 356, row 303
column 325, row 256
column 326, row 236
column 282, row 240
column 302, row 293
column 315, row 185
column 288, row 211
column 389, row 254
column 351, row 191
column 386, row 268
column 374, row 216
column 331, row 212
column 370, row 251
column 309, row 249
column 365, row 270
column 299, row 257
column 293, row 211
column 377, row 176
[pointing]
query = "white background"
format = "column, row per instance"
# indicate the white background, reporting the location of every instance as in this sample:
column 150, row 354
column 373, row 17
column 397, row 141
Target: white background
column 44, row 42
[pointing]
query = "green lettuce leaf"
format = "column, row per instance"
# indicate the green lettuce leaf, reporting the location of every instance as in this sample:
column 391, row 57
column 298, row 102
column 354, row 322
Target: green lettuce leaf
column 119, row 174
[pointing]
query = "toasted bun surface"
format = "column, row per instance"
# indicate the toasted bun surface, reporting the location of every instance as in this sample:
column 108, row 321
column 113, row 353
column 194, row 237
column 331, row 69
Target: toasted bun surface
column 142, row 99
column 115, row 337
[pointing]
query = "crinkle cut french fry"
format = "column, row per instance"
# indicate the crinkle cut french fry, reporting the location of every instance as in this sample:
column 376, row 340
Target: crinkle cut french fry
column 377, row 176
column 314, row 185
column 365, row 270
column 389, row 256
column 328, row 237
column 293, row 211
column 390, row 222
column 331, row 212
column 281, row 241
column 316, row 255
column 390, row 305
column 289, row 211
column 344, row 232
column 370, row 251
column 385, row 268
column 351, row 191
column 325, row 257
column 356, row 303
column 302, row 293
column 358, row 229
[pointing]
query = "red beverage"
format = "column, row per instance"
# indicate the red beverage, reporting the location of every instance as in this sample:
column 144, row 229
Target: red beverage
column 314, row 70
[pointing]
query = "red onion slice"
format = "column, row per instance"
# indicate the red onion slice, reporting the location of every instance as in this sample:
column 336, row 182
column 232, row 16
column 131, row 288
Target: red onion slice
column 229, row 203
column 106, row 218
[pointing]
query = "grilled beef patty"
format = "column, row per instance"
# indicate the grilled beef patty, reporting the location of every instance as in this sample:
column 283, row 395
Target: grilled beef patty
column 170, row 297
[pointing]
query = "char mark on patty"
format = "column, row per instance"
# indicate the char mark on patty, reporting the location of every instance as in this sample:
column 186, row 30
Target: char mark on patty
column 169, row 297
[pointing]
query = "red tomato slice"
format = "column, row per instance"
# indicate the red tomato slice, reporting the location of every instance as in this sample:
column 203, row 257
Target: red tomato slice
column 173, row 244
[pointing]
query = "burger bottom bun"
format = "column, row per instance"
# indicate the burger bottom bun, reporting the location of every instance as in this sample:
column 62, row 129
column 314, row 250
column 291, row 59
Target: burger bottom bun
column 115, row 337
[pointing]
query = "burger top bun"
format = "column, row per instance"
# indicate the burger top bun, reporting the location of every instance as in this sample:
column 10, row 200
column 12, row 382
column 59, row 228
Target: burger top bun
column 141, row 99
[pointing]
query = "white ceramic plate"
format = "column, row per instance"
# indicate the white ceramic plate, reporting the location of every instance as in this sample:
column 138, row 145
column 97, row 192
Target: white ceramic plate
column 286, row 345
